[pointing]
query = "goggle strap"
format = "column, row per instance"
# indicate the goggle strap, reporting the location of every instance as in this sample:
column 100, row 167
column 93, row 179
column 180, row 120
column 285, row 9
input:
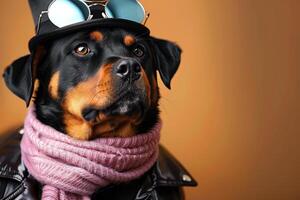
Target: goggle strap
column 40, row 20
column 146, row 18
column 102, row 2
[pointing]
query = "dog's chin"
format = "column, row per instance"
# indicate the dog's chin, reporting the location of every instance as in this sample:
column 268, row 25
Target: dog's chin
column 131, row 107
column 120, row 117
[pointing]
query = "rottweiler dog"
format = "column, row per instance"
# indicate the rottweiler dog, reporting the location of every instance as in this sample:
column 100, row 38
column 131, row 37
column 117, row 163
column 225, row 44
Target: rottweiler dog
column 97, row 83
column 91, row 84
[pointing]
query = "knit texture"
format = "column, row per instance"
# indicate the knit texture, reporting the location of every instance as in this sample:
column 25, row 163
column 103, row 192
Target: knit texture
column 74, row 169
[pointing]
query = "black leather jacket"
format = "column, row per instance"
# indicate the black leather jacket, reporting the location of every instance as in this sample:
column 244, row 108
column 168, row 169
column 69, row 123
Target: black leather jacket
column 163, row 182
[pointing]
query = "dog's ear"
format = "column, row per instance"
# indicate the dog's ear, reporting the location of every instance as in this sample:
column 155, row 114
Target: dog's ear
column 167, row 59
column 20, row 76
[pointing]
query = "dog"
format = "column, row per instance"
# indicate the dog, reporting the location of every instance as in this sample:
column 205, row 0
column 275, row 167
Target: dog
column 102, row 83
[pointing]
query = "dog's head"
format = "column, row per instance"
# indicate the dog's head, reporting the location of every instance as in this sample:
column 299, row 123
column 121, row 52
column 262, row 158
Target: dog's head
column 96, row 83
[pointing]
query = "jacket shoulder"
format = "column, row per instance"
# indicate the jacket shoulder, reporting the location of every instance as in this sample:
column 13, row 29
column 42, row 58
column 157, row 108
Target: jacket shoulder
column 170, row 172
column 12, row 172
column 10, row 153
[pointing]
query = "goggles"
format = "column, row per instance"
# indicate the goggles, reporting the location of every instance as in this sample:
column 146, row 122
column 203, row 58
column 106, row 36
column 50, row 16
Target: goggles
column 66, row 12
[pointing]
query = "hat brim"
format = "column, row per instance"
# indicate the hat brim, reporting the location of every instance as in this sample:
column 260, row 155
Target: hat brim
column 135, row 27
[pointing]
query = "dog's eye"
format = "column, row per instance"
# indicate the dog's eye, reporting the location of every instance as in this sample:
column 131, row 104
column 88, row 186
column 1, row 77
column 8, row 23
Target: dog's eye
column 82, row 49
column 138, row 50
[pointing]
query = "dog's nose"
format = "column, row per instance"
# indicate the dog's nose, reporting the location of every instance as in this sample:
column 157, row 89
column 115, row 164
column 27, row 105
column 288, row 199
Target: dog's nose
column 128, row 69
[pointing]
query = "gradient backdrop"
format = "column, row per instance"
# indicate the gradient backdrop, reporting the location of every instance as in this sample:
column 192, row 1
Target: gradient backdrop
column 233, row 114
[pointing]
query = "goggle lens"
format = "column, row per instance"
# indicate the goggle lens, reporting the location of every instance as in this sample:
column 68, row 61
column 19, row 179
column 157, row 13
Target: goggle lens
column 131, row 10
column 66, row 12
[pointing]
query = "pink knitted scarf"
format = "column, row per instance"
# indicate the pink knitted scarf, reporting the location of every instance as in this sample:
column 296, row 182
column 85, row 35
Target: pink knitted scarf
column 73, row 169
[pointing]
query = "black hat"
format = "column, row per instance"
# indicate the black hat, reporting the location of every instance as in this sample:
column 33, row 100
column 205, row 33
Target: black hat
column 48, row 31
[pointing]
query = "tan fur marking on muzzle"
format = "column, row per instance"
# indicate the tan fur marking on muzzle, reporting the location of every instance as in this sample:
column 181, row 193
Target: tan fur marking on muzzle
column 95, row 91
column 54, row 85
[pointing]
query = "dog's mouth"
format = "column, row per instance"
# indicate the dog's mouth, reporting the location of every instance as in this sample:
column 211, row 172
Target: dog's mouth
column 129, row 107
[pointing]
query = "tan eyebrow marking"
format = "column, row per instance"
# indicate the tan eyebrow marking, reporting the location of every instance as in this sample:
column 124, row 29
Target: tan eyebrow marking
column 96, row 35
column 129, row 40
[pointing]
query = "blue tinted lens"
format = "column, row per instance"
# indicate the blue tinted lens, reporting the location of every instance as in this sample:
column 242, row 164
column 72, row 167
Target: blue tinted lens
column 66, row 12
column 125, row 9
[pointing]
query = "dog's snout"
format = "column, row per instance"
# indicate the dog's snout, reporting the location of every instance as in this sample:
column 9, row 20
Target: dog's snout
column 128, row 69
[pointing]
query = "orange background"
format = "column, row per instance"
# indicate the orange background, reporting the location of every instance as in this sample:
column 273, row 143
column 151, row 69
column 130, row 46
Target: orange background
column 233, row 115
